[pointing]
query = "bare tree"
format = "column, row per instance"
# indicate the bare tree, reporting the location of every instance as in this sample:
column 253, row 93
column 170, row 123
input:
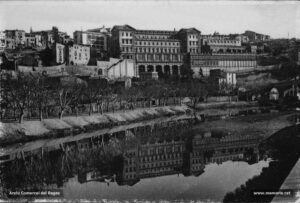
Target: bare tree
column 94, row 93
column 19, row 92
column 68, row 90
column 41, row 94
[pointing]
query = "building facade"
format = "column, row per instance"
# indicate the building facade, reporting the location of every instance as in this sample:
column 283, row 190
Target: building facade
column 253, row 36
column 243, row 38
column 116, row 68
column 78, row 54
column 59, row 52
column 14, row 38
column 190, row 40
column 30, row 40
column 152, row 50
column 2, row 41
column 223, row 43
column 201, row 64
column 47, row 38
column 222, row 78
column 156, row 51
column 96, row 40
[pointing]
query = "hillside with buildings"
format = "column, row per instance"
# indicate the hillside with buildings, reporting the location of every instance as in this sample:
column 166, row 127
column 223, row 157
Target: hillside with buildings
column 121, row 66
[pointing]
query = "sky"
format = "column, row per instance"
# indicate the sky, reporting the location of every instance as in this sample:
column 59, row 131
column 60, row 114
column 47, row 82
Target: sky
column 279, row 19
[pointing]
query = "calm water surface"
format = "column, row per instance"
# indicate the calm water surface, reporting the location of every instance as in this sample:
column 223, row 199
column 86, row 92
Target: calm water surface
column 163, row 161
column 213, row 184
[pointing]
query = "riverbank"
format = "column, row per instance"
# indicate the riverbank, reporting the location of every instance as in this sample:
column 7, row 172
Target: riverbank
column 264, row 124
column 224, row 105
column 72, row 125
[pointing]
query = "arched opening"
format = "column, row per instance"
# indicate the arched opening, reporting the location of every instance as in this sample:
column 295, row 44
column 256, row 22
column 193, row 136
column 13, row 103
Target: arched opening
column 159, row 71
column 150, row 68
column 142, row 69
column 100, row 72
column 167, row 69
column 175, row 70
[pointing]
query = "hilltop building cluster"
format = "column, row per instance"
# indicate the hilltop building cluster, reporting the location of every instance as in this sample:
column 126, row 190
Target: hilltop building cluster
column 159, row 51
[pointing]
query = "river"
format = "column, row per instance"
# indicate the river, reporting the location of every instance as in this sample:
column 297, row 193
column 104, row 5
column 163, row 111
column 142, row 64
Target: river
column 166, row 161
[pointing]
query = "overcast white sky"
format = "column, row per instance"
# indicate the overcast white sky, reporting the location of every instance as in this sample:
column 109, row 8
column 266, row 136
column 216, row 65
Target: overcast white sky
column 270, row 17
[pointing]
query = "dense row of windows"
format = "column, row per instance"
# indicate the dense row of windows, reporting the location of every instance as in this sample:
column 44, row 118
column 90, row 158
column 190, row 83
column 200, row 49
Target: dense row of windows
column 161, row 157
column 127, row 49
column 160, row 37
column 223, row 63
column 160, row 164
column 157, row 50
column 228, row 57
column 156, row 43
column 223, row 41
column 126, row 41
column 206, row 63
column 158, row 57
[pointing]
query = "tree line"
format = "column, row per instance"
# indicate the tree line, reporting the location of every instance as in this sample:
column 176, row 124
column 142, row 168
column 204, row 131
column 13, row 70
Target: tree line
column 38, row 96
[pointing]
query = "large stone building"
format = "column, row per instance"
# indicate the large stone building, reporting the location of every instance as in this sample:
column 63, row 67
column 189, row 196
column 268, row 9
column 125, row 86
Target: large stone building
column 201, row 64
column 78, row 54
column 154, row 50
column 166, row 51
column 122, row 45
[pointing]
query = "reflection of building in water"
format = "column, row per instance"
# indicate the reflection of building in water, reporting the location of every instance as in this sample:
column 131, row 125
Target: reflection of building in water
column 161, row 158
column 173, row 157
column 153, row 159
column 220, row 148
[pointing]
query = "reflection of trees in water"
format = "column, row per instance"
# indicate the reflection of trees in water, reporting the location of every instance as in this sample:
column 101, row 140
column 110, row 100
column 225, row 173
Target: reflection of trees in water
column 53, row 168
column 34, row 172
column 283, row 146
